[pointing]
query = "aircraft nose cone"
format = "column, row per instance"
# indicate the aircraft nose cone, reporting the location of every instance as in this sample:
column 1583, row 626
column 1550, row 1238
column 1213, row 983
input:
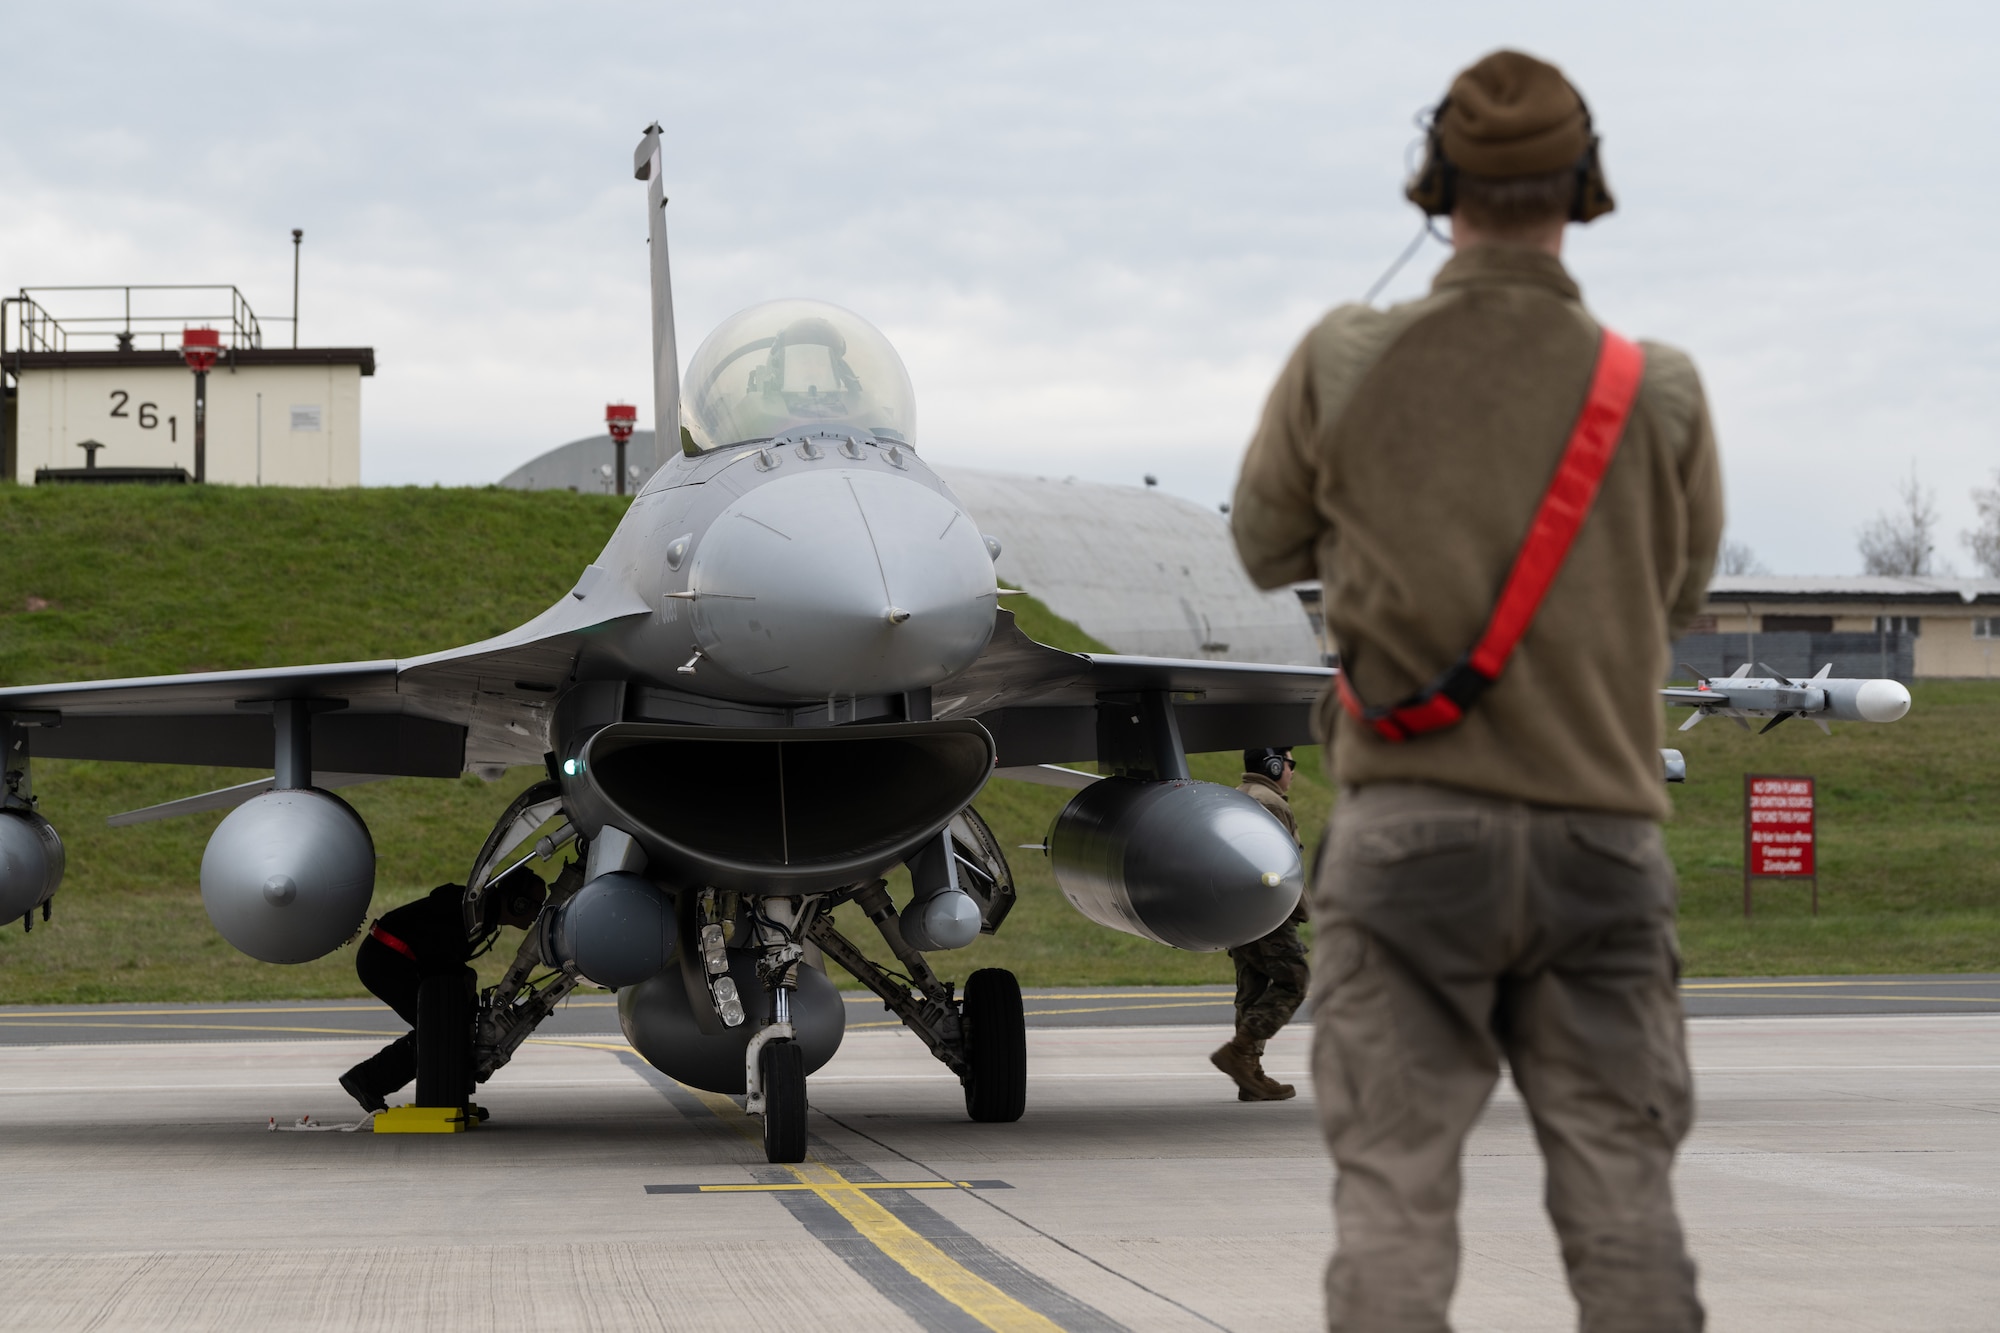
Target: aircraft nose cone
column 842, row 582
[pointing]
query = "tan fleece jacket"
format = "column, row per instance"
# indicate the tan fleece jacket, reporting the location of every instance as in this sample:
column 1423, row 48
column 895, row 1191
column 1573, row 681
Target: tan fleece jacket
column 1399, row 460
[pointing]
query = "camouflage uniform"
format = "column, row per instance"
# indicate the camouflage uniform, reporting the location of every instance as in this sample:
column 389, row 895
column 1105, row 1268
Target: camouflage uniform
column 1271, row 973
column 1271, row 977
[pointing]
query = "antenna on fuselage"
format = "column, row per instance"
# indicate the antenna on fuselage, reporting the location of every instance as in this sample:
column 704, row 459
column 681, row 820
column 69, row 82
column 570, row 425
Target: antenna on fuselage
column 666, row 359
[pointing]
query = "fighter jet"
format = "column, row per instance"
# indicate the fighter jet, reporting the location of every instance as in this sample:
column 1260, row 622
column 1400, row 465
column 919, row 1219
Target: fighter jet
column 787, row 673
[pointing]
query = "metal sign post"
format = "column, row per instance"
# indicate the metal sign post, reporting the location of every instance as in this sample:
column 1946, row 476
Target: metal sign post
column 1779, row 831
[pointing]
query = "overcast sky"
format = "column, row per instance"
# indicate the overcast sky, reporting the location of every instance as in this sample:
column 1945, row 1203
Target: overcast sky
column 1093, row 231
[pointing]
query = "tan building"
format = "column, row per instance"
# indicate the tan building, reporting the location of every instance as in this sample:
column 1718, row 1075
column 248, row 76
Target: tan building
column 1861, row 625
column 1949, row 627
column 276, row 416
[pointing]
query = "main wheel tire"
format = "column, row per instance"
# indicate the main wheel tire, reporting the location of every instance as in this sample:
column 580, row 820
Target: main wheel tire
column 996, row 1047
column 783, row 1066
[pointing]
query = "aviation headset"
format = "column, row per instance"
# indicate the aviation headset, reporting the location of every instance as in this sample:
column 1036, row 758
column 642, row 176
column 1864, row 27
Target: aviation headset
column 1267, row 763
column 1434, row 188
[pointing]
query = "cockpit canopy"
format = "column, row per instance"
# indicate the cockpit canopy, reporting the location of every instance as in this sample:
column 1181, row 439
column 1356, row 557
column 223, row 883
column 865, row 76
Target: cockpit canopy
column 796, row 365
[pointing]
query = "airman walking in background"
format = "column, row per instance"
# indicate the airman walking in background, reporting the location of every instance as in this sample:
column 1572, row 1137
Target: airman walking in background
column 1271, row 973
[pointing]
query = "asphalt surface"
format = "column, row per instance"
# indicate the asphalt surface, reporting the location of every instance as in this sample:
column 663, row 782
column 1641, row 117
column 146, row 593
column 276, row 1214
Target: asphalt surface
column 1064, row 1007
column 1843, row 1174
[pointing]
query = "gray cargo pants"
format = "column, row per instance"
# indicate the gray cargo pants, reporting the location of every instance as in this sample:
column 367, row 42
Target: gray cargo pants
column 1451, row 930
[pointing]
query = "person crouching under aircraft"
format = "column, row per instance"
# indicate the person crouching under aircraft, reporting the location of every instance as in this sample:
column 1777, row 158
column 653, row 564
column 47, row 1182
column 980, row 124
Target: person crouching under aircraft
column 1271, row 973
column 427, row 938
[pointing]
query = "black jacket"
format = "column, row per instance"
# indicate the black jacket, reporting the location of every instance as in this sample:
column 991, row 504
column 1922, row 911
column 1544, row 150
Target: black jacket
column 433, row 927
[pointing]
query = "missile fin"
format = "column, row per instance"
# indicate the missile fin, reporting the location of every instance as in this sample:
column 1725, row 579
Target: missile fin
column 1737, row 718
column 1821, row 723
column 1823, row 672
column 1742, row 669
column 1694, row 675
column 1694, row 717
column 1775, row 721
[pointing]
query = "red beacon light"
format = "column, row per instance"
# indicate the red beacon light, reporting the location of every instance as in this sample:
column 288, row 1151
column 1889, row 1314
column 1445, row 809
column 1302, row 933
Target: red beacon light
column 200, row 348
column 621, row 419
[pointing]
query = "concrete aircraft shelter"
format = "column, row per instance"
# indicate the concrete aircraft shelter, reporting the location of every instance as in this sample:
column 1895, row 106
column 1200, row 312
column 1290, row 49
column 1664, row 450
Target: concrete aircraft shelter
column 1141, row 571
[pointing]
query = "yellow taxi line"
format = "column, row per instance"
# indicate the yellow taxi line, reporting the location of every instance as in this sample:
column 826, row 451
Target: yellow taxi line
column 881, row 1228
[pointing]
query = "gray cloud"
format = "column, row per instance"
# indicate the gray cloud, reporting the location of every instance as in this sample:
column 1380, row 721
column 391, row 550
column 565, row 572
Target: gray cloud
column 1094, row 232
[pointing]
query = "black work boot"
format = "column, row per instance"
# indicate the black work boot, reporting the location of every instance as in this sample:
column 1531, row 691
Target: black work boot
column 370, row 1100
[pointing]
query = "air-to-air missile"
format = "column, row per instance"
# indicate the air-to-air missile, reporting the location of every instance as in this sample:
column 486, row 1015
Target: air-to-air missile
column 1741, row 696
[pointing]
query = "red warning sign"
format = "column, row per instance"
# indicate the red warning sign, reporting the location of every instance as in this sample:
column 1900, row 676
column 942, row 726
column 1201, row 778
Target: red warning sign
column 1778, row 824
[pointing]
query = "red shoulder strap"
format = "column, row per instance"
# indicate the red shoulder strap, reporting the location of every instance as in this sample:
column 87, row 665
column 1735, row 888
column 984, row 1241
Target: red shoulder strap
column 1614, row 387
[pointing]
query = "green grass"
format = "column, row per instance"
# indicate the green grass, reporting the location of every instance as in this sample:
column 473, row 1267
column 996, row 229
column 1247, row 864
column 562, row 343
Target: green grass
column 136, row 580
column 1908, row 847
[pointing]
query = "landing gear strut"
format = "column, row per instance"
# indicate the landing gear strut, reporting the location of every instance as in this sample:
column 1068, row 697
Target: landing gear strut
column 776, row 1075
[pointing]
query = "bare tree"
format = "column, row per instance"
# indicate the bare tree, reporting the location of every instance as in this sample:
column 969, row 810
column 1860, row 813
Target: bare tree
column 1985, row 539
column 1901, row 540
column 1738, row 558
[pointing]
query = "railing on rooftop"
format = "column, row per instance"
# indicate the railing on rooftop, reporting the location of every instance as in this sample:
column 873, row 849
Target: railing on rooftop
column 138, row 316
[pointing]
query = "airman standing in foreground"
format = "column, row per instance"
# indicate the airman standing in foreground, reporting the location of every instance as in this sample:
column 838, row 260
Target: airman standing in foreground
column 1494, row 884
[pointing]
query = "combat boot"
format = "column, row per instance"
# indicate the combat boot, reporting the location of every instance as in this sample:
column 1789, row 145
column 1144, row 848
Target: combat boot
column 1268, row 1089
column 1239, row 1060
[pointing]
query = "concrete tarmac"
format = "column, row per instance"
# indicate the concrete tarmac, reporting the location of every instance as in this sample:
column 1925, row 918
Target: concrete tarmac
column 592, row 1012
column 1844, row 1174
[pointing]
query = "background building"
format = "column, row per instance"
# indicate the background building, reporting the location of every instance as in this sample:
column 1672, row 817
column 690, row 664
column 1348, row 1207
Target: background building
column 1866, row 625
column 102, row 364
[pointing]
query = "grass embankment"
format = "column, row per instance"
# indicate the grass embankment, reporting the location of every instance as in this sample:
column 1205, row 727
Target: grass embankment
column 1909, row 843
column 135, row 581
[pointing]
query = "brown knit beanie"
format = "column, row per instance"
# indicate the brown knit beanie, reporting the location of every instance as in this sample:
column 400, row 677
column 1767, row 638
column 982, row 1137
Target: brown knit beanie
column 1513, row 115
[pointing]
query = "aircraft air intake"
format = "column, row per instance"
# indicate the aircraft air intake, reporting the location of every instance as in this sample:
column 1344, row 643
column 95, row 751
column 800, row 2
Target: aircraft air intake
column 773, row 810
column 1189, row 864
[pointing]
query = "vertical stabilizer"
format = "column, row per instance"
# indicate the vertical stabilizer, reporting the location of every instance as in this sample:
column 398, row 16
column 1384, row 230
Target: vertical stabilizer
column 666, row 359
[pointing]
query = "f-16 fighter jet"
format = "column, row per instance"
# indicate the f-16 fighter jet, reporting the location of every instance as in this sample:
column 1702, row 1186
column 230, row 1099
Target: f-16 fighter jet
column 786, row 674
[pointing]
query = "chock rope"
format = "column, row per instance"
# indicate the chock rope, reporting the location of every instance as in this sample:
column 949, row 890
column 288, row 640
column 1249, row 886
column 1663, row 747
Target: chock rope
column 306, row 1124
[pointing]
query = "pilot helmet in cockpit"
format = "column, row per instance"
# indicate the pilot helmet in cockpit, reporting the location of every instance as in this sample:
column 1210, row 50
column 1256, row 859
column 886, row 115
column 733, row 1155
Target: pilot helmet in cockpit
column 796, row 366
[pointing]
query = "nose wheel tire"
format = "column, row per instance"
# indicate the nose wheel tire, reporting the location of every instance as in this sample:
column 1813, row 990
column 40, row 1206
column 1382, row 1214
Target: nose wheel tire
column 996, row 1047
column 782, row 1064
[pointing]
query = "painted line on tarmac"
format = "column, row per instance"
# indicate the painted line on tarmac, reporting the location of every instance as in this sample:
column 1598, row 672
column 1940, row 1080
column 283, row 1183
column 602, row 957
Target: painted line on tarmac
column 1780, row 983
column 1088, row 1009
column 860, row 1185
column 196, row 1027
column 966, row 1294
column 1837, row 999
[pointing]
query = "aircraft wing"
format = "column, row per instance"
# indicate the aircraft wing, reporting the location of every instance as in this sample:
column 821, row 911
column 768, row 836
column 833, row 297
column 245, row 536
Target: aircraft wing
column 484, row 704
column 1040, row 703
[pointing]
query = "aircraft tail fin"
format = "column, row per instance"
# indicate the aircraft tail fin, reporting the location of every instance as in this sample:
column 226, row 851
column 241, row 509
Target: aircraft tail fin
column 666, row 357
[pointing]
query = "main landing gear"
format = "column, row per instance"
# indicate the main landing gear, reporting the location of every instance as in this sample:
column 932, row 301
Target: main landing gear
column 982, row 1037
